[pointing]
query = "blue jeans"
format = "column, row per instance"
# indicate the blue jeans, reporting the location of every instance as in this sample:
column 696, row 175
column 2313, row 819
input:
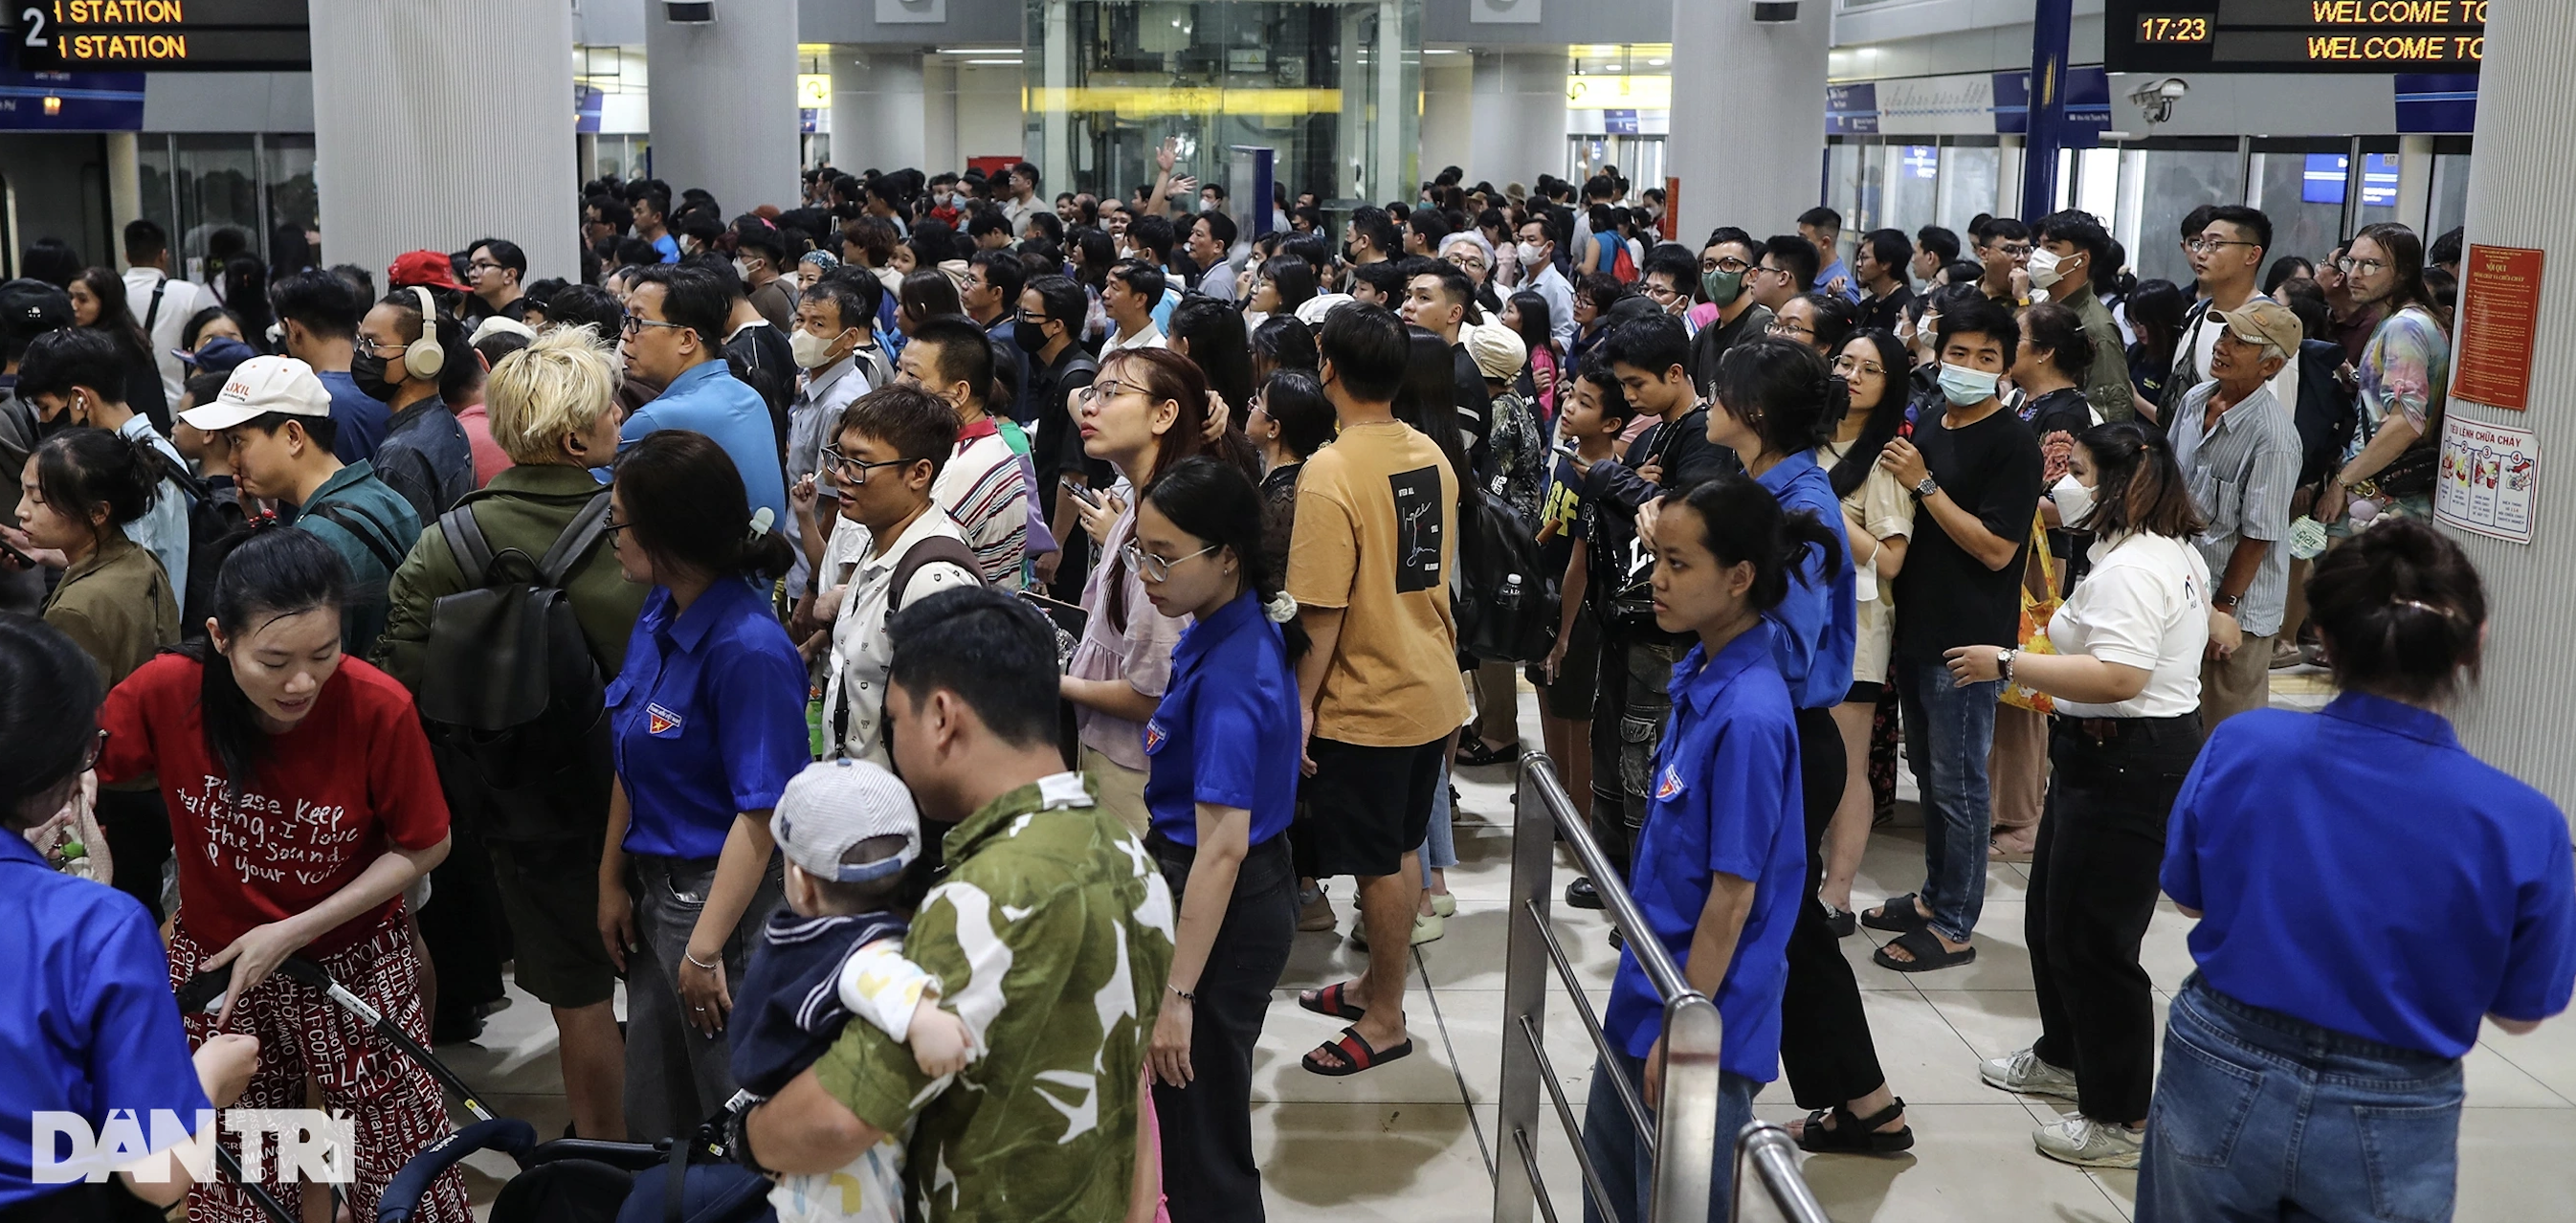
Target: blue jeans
column 1439, row 848
column 2262, row 1116
column 1627, row 1171
column 1949, row 733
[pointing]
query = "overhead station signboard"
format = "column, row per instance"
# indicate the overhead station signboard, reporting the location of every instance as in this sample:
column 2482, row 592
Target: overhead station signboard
column 2293, row 35
column 160, row 35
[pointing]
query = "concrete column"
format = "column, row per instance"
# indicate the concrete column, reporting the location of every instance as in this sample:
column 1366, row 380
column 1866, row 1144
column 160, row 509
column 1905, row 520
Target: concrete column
column 940, row 146
column 878, row 113
column 723, row 102
column 124, row 193
column 2414, row 180
column 399, row 167
column 1448, row 114
column 1747, row 94
column 1520, row 117
column 2516, row 718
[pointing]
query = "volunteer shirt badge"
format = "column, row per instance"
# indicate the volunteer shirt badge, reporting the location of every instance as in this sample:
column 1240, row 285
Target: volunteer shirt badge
column 1154, row 737
column 1670, row 785
column 659, row 721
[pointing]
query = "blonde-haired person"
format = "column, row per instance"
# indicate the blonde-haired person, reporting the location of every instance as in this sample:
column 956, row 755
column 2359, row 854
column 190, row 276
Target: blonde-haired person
column 553, row 410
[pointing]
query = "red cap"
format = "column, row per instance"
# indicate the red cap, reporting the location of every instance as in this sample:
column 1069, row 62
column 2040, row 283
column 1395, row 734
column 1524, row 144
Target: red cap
column 426, row 268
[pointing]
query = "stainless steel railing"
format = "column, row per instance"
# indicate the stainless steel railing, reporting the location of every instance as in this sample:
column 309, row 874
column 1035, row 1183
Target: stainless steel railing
column 1686, row 1121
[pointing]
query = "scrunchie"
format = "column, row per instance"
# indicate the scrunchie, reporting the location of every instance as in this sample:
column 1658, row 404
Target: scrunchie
column 1280, row 609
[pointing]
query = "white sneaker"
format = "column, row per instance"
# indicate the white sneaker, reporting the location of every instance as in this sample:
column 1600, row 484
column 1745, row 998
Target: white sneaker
column 2024, row 1072
column 2087, row 1143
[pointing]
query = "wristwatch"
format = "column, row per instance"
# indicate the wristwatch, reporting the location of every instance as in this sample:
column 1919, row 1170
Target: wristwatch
column 1926, row 486
column 2003, row 665
column 2226, row 602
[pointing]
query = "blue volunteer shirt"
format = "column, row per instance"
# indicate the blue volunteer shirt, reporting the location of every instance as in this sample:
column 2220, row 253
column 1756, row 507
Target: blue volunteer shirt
column 667, row 247
column 87, row 1024
column 706, row 398
column 1228, row 730
column 708, row 718
column 1726, row 799
column 1816, row 629
column 2358, row 869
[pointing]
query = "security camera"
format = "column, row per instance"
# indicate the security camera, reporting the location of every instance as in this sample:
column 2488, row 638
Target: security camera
column 1769, row 12
column 2155, row 99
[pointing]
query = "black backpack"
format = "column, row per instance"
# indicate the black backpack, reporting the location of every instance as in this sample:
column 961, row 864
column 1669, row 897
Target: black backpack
column 510, row 694
column 1504, row 598
column 2327, row 412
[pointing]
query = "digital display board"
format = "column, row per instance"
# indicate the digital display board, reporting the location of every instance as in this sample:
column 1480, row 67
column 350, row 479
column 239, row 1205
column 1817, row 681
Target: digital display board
column 160, row 35
column 2293, row 35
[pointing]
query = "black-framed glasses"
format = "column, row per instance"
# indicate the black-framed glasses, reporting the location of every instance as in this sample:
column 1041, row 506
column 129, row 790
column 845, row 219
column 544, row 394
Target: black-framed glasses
column 90, row 754
column 855, row 470
column 1155, row 568
column 1727, row 264
column 634, row 324
column 612, row 528
column 482, row 265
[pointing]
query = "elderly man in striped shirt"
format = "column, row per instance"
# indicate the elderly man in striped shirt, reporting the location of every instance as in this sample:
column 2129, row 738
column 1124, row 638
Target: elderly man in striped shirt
column 2239, row 448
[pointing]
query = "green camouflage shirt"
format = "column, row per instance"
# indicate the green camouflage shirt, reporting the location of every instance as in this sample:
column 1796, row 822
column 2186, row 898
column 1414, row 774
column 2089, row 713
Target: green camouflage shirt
column 2106, row 381
column 1050, row 934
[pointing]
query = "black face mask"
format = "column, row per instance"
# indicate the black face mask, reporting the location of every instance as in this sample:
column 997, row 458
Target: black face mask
column 368, row 370
column 1029, row 336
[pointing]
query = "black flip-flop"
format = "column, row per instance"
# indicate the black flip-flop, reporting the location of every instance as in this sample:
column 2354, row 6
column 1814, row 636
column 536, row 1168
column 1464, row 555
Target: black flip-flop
column 1331, row 1000
column 1898, row 916
column 1355, row 1054
column 1474, row 754
column 1925, row 946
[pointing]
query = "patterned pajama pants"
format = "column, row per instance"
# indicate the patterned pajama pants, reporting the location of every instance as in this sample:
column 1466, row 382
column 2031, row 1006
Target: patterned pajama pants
column 396, row 1107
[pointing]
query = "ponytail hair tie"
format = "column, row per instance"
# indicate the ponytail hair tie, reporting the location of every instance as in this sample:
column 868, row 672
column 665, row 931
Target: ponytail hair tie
column 2435, row 608
column 1280, row 609
column 760, row 522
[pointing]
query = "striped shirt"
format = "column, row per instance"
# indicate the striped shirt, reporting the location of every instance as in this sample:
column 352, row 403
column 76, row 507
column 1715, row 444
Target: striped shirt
column 986, row 489
column 2242, row 472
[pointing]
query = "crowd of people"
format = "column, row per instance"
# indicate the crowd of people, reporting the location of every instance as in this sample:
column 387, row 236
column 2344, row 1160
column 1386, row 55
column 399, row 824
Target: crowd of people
column 1002, row 623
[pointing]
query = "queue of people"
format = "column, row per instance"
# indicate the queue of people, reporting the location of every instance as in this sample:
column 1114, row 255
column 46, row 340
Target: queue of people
column 1001, row 625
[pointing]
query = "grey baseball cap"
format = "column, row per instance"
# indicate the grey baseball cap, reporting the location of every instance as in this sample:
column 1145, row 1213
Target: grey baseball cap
column 835, row 804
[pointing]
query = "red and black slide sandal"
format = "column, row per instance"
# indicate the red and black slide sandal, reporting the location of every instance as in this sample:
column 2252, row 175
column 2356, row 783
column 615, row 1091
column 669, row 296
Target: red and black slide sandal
column 1333, row 1000
column 1355, row 1055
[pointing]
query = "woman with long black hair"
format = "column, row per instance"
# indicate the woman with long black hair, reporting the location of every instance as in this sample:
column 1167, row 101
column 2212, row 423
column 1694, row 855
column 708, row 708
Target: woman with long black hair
column 99, row 304
column 1776, row 404
column 707, row 718
column 1224, row 744
column 303, row 803
column 1878, row 520
column 1526, row 313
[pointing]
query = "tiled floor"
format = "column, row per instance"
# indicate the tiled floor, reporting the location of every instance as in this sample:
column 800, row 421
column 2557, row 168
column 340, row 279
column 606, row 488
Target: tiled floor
column 1415, row 1140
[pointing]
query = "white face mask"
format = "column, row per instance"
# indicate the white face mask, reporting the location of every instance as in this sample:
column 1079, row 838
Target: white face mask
column 1530, row 253
column 2046, row 267
column 743, row 268
column 2074, row 502
column 811, row 351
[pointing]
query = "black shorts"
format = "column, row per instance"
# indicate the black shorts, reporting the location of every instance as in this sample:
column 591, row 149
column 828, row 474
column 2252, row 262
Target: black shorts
column 1368, row 806
column 1577, row 689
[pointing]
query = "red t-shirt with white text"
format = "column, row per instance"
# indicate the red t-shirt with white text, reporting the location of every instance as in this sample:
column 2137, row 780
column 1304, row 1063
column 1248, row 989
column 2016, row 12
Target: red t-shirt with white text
column 330, row 796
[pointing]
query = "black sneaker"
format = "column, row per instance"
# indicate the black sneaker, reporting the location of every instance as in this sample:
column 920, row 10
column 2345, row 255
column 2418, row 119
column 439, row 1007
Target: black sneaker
column 1580, row 894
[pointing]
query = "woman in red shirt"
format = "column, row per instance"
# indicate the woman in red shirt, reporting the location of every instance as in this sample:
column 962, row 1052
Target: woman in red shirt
column 302, row 802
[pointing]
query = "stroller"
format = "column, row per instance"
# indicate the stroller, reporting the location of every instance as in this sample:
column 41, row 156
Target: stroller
column 571, row 1180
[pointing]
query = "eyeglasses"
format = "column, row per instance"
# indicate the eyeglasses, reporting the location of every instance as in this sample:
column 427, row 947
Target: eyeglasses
column 386, row 349
column 1845, row 367
column 1728, row 264
column 90, row 753
column 1155, row 568
column 482, row 265
column 1662, row 293
column 2360, row 267
column 634, row 324
column 2210, row 246
column 855, row 469
column 1791, row 327
column 611, row 530
column 1027, row 319
column 2016, row 250
column 1105, row 388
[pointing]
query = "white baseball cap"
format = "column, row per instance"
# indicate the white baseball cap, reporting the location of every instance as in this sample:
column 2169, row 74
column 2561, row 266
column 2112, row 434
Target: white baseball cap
column 835, row 804
column 258, row 387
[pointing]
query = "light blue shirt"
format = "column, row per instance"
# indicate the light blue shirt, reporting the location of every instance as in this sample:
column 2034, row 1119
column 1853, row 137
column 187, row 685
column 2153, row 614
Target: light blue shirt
column 1825, row 276
column 163, row 529
column 706, row 398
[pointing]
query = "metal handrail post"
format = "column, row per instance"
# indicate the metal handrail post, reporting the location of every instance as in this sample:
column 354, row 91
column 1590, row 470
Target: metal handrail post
column 1687, row 1144
column 1525, row 970
column 1770, row 1154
